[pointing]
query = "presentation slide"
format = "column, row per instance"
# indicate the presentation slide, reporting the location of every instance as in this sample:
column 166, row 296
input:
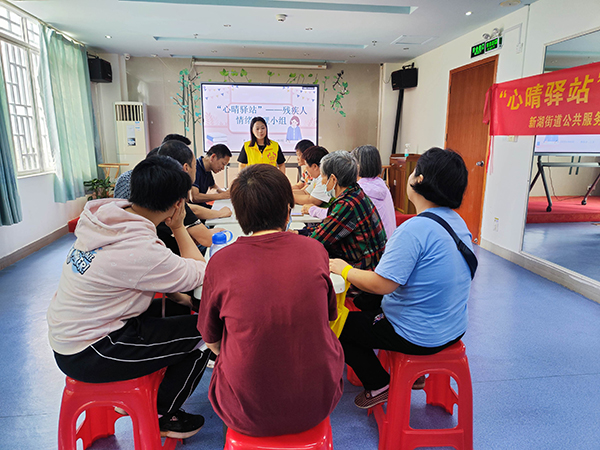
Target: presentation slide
column 291, row 113
column 568, row 143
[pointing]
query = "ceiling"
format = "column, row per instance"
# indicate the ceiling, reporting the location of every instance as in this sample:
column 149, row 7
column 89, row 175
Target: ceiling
column 352, row 31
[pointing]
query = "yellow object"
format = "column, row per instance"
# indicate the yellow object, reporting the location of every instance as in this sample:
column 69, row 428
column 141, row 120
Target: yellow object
column 345, row 271
column 267, row 156
column 337, row 325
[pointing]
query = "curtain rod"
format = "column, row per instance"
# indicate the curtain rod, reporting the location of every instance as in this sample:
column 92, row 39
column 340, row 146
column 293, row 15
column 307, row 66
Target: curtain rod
column 31, row 16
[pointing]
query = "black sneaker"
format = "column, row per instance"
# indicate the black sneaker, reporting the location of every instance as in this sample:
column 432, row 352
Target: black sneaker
column 180, row 425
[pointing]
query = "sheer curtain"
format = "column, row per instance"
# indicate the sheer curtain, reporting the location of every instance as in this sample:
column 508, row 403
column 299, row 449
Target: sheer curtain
column 10, row 203
column 67, row 100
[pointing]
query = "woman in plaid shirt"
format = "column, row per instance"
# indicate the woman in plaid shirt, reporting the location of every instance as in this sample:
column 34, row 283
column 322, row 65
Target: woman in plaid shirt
column 352, row 230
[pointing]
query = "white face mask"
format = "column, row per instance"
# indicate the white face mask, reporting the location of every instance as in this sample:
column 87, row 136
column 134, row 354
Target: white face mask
column 331, row 192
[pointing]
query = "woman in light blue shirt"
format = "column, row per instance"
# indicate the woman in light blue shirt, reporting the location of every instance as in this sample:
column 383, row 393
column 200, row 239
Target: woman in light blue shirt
column 423, row 276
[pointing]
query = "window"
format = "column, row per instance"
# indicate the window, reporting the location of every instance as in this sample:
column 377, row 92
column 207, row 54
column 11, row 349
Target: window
column 19, row 48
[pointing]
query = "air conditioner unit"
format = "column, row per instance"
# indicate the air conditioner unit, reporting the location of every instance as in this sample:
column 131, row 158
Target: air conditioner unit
column 132, row 132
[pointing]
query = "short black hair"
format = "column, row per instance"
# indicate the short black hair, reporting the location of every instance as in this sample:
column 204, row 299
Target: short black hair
column 221, row 150
column 445, row 177
column 176, row 150
column 150, row 179
column 262, row 197
column 303, row 145
column 369, row 161
column 314, row 155
column 177, row 137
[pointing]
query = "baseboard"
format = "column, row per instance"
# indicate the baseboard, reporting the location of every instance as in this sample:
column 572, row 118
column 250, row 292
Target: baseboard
column 32, row 248
column 574, row 281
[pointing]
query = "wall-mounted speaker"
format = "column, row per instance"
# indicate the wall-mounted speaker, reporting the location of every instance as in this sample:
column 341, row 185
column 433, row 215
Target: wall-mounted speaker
column 404, row 78
column 100, row 70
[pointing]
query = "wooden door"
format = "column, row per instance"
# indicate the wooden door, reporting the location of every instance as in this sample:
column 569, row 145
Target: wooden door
column 468, row 135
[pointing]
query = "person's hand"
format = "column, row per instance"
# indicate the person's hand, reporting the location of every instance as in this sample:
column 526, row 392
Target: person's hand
column 224, row 194
column 305, row 209
column 225, row 212
column 217, row 230
column 337, row 265
column 176, row 220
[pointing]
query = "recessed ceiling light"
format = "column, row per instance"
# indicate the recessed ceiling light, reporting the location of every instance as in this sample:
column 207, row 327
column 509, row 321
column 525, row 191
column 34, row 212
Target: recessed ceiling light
column 261, row 53
column 108, row 36
column 352, row 56
column 308, row 28
column 307, row 54
column 468, row 13
column 213, row 51
column 165, row 49
column 154, row 55
column 406, row 48
column 510, row 3
column 227, row 25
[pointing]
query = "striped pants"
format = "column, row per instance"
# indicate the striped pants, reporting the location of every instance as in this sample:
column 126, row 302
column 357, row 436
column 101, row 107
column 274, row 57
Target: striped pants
column 144, row 345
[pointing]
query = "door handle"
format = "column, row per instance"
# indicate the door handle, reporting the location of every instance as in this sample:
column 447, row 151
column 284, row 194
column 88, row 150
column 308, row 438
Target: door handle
column 479, row 163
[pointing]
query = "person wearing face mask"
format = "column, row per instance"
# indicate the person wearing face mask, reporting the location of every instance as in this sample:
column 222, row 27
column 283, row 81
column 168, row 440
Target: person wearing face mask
column 352, row 227
column 279, row 366
column 260, row 149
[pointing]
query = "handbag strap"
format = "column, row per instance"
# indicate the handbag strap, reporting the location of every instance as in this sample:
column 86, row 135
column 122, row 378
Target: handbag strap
column 462, row 248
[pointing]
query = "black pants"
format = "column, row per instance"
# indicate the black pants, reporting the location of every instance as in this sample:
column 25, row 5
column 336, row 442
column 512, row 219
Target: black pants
column 360, row 336
column 144, row 345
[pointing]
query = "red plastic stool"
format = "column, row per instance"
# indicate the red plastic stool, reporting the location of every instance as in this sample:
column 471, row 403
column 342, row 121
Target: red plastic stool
column 317, row 438
column 395, row 431
column 137, row 397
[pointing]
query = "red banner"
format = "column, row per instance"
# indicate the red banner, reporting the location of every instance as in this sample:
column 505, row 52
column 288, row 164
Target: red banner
column 562, row 102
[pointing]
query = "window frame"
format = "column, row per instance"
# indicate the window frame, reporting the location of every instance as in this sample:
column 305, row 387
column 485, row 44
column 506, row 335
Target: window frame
column 43, row 152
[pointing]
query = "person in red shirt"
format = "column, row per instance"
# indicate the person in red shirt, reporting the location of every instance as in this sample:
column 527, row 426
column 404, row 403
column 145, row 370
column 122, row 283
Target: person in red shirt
column 279, row 366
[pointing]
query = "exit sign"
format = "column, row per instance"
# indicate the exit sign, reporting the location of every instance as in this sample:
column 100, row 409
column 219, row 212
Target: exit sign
column 487, row 46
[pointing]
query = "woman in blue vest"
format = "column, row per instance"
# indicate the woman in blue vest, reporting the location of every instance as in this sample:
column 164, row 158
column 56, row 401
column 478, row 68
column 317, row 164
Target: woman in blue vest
column 260, row 149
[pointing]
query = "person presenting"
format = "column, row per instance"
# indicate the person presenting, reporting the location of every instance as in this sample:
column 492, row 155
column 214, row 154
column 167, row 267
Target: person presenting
column 279, row 366
column 215, row 161
column 315, row 192
column 260, row 149
column 99, row 325
column 424, row 277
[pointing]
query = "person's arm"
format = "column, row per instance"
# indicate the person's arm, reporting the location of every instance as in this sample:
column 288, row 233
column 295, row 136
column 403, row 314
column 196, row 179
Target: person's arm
column 199, row 197
column 281, row 167
column 201, row 235
column 214, row 347
column 365, row 280
column 335, row 226
column 314, row 211
column 304, row 198
column 185, row 242
column 206, row 213
column 280, row 159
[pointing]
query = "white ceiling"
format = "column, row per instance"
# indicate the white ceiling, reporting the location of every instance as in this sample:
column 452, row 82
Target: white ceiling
column 353, row 31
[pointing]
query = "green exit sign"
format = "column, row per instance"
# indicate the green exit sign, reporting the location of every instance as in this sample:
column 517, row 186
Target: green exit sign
column 477, row 50
column 487, row 46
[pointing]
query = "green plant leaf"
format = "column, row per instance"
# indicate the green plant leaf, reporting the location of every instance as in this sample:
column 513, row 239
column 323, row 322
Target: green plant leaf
column 243, row 72
column 292, row 75
column 310, row 75
column 224, row 72
column 342, row 113
column 249, row 81
column 234, row 73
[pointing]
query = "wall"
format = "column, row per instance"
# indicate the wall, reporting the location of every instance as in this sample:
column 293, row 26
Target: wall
column 155, row 80
column 424, row 111
column 41, row 216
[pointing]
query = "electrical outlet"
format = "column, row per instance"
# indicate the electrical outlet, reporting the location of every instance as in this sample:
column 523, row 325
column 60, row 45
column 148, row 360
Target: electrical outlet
column 496, row 223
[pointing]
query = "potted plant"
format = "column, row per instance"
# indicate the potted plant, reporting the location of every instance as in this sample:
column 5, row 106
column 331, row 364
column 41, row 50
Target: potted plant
column 99, row 188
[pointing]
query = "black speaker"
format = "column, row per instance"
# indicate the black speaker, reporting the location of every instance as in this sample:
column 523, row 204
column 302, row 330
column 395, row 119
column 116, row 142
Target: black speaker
column 100, row 70
column 404, row 78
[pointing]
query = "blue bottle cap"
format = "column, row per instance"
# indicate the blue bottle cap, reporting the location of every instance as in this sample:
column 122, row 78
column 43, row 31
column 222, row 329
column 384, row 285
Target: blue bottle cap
column 219, row 238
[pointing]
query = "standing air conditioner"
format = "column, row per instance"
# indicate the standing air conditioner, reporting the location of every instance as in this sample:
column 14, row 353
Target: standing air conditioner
column 132, row 132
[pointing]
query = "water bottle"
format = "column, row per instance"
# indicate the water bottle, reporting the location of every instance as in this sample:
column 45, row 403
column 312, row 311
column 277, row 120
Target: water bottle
column 220, row 240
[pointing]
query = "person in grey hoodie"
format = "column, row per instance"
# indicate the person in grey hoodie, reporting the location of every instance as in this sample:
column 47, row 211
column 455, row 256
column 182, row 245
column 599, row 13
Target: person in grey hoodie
column 98, row 323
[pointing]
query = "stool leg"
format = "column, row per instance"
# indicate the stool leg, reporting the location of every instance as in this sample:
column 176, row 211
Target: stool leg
column 352, row 378
column 99, row 422
column 398, row 407
column 440, row 392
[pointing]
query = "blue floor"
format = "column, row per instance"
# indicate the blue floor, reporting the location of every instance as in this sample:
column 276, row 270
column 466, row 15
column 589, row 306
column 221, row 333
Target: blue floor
column 574, row 245
column 533, row 348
